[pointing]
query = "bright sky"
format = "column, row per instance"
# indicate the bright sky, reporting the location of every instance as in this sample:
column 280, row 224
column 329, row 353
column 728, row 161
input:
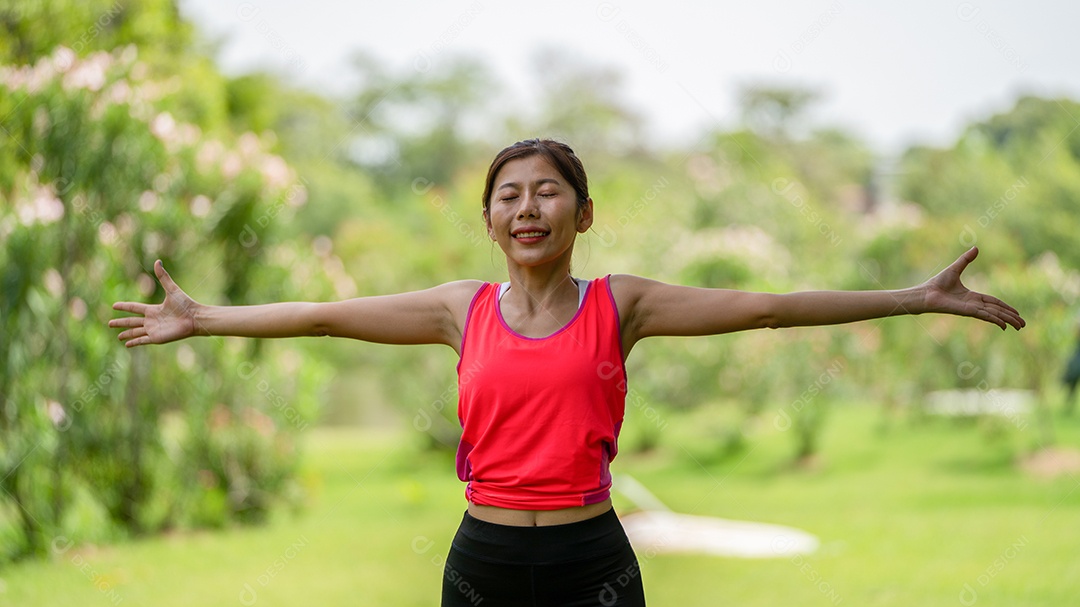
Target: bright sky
column 895, row 73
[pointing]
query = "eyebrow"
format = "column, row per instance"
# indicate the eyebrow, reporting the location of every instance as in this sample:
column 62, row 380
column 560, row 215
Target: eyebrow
column 514, row 184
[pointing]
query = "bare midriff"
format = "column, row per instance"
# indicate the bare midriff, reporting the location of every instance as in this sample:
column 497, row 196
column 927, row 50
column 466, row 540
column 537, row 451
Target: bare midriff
column 537, row 518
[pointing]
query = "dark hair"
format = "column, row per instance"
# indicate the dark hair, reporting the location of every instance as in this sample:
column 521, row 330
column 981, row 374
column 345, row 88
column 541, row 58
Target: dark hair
column 557, row 153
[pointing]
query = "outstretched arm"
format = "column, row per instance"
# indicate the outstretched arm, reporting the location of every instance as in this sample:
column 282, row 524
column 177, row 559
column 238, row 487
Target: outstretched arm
column 432, row 316
column 653, row 308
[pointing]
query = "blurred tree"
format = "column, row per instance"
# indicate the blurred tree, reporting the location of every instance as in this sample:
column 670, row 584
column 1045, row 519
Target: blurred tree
column 416, row 124
column 579, row 103
column 86, row 26
column 169, row 48
column 775, row 112
column 106, row 164
column 1015, row 176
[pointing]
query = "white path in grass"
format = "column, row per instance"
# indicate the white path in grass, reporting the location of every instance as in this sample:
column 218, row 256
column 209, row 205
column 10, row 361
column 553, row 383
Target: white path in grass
column 656, row 528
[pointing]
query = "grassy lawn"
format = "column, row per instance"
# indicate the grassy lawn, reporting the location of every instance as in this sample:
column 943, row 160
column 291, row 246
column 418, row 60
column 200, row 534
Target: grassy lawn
column 908, row 514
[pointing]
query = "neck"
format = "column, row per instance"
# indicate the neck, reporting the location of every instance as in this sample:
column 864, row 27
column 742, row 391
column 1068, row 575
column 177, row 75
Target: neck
column 541, row 287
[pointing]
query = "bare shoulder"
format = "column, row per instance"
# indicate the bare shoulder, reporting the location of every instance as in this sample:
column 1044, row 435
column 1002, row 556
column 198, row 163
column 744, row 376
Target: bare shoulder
column 457, row 295
column 630, row 282
column 628, row 289
column 460, row 287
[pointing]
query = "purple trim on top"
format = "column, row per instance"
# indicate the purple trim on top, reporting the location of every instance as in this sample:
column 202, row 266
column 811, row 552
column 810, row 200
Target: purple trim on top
column 595, row 498
column 618, row 330
column 468, row 316
column 498, row 314
column 463, row 465
column 605, row 464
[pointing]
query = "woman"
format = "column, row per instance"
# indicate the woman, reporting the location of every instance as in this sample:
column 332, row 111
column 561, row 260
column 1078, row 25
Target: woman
column 541, row 377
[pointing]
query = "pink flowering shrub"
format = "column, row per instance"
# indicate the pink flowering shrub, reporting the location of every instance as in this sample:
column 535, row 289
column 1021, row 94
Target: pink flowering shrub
column 98, row 177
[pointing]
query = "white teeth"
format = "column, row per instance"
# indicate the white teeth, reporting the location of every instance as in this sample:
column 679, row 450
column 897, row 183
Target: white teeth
column 529, row 234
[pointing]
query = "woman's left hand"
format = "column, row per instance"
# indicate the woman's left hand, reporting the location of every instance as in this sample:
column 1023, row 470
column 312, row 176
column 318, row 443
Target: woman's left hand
column 945, row 293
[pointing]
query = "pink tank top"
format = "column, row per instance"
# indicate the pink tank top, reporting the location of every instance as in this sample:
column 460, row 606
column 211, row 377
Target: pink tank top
column 540, row 417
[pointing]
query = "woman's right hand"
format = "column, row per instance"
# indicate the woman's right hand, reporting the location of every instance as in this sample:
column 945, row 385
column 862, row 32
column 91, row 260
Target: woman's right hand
column 171, row 320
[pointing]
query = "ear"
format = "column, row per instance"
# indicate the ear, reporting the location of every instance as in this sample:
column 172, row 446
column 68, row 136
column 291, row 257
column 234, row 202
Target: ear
column 585, row 216
column 487, row 224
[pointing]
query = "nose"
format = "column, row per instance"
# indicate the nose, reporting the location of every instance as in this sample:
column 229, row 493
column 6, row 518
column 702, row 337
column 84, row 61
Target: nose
column 530, row 207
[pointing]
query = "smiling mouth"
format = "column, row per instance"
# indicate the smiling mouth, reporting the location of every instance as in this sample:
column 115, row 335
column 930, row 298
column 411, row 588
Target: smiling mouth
column 530, row 234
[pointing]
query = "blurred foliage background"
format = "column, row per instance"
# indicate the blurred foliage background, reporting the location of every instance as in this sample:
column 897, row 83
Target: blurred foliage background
column 122, row 143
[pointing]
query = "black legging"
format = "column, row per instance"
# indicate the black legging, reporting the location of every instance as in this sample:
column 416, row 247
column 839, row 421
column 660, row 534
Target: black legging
column 587, row 563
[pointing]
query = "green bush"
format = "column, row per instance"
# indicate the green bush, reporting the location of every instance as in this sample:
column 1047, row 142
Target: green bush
column 96, row 441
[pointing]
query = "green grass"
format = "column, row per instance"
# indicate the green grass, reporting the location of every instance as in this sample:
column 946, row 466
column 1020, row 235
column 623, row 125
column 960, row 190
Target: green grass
column 907, row 513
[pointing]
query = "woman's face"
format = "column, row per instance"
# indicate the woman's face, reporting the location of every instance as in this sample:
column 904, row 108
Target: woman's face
column 533, row 212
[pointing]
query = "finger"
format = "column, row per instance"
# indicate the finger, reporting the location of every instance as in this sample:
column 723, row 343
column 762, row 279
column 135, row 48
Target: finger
column 132, row 334
column 1017, row 320
column 962, row 262
column 131, row 306
column 1000, row 305
column 1009, row 313
column 1013, row 318
column 987, row 309
column 1000, row 322
column 142, row 341
column 990, row 299
column 1008, row 317
column 163, row 277
column 984, row 314
column 127, row 321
